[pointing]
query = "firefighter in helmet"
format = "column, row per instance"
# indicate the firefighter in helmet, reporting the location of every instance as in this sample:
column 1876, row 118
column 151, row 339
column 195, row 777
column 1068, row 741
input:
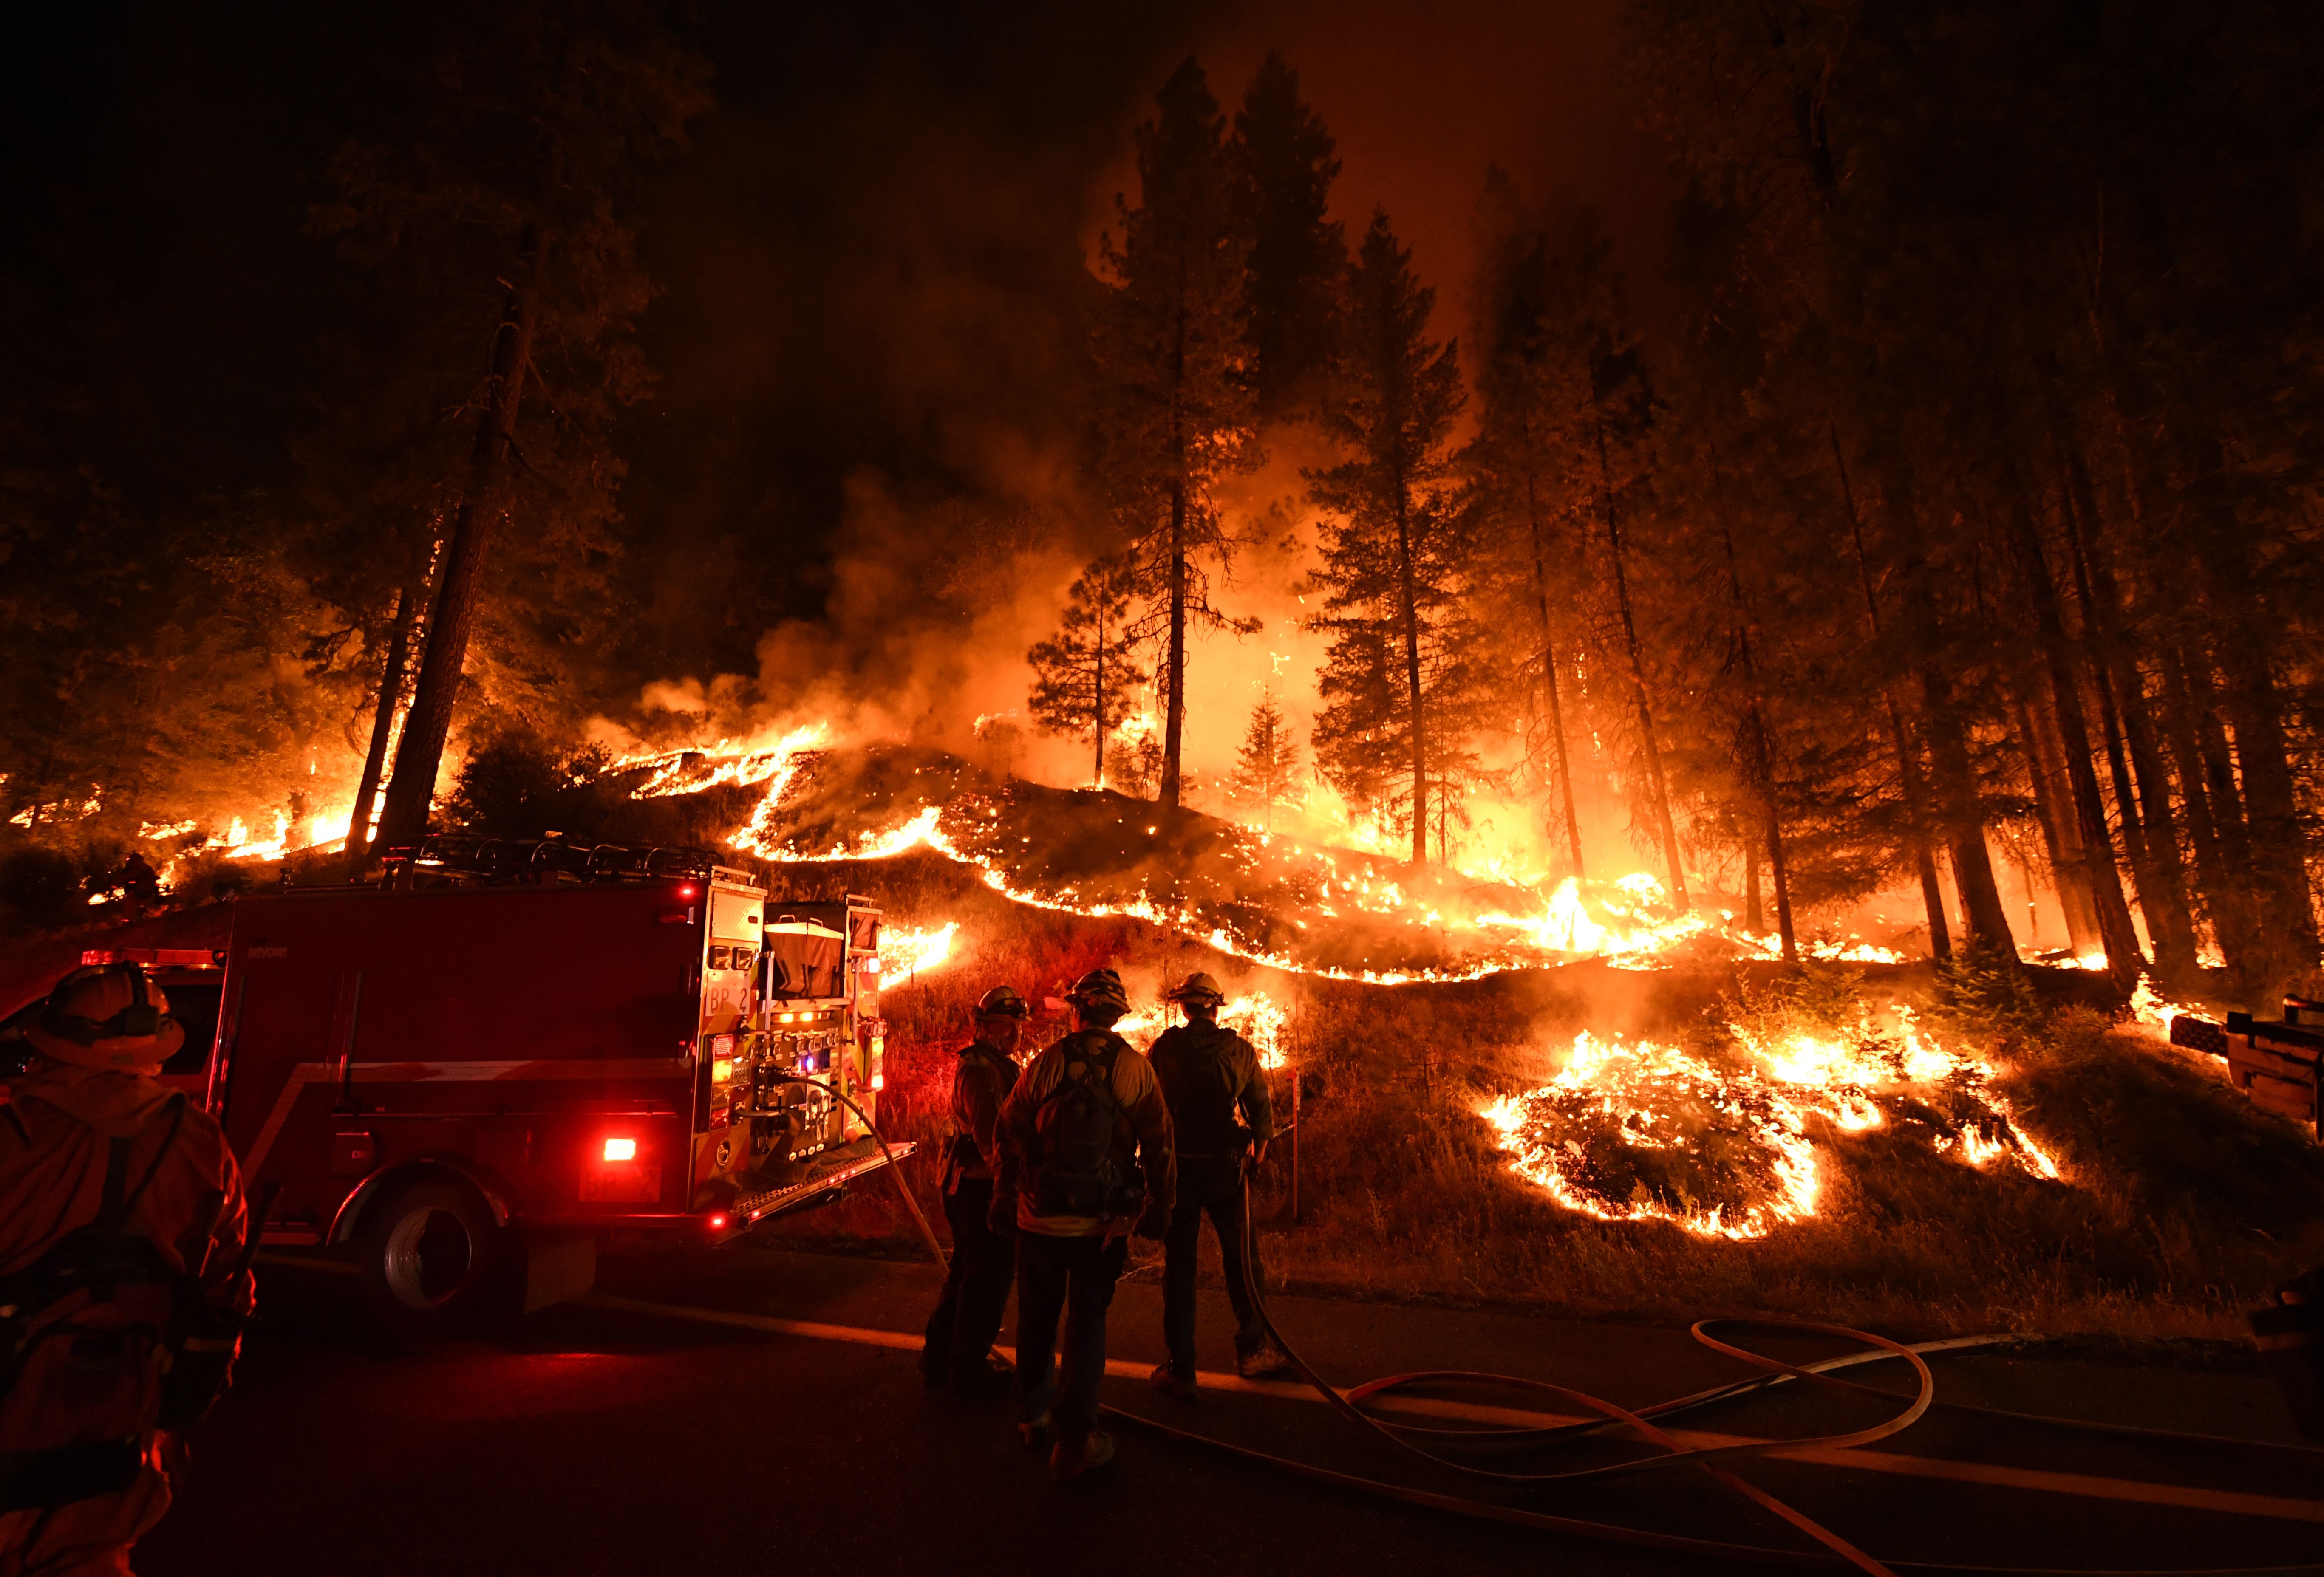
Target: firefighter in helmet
column 1221, row 1119
column 1086, row 1159
column 958, row 1349
column 107, row 1178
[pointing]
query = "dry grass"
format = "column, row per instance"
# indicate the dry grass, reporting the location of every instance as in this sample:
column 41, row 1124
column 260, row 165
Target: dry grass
column 2181, row 1205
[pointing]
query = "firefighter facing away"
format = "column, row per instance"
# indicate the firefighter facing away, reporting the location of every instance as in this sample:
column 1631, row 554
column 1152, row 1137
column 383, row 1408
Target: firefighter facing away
column 1221, row 1119
column 958, row 1349
column 1086, row 1159
column 124, row 1276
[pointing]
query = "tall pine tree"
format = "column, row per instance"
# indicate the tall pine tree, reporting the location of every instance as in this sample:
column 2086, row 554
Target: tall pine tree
column 1402, row 681
column 1175, row 373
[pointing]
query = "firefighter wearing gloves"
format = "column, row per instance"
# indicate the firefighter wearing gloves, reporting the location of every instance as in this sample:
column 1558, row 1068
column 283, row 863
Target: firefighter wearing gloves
column 124, row 1276
column 959, row 1343
column 1221, row 1119
column 1085, row 1158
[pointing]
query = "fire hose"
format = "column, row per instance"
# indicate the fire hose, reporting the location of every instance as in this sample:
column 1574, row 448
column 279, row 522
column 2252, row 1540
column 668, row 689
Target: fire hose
column 895, row 1172
column 1838, row 1554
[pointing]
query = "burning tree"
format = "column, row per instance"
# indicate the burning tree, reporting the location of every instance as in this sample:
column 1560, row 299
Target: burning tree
column 1405, row 676
column 1175, row 370
column 1087, row 676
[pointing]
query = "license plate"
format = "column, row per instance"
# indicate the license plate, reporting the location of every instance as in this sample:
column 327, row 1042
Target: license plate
column 630, row 1183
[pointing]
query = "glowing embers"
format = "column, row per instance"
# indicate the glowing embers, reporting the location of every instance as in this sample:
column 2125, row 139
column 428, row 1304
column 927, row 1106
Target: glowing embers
column 1727, row 1143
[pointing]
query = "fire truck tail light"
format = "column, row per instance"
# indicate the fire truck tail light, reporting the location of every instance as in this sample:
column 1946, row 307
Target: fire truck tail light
column 717, row 1223
column 621, row 1149
column 721, row 1070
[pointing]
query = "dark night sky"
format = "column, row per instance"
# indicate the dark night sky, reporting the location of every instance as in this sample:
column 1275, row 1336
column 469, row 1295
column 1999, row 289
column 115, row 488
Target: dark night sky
column 868, row 255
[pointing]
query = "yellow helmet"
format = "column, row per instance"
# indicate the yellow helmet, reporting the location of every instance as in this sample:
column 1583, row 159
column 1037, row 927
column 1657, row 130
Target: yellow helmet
column 108, row 1017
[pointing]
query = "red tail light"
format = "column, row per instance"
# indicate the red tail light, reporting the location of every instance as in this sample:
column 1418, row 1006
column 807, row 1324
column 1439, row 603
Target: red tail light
column 717, row 1223
column 621, row 1149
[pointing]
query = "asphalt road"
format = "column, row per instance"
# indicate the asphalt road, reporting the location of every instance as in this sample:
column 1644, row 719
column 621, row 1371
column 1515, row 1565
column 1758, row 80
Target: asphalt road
column 682, row 1422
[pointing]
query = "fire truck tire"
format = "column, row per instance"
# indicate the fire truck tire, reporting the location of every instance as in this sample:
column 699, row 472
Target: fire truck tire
column 433, row 1258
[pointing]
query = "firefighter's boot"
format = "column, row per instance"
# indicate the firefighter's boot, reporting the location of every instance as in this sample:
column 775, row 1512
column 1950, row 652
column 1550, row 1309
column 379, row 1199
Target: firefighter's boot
column 1264, row 1361
column 1168, row 1381
column 1034, row 1433
column 1069, row 1466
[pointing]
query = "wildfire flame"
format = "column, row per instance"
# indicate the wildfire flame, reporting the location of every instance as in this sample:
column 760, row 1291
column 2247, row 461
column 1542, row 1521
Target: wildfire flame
column 908, row 951
column 1256, row 1017
column 1727, row 1145
column 1564, row 930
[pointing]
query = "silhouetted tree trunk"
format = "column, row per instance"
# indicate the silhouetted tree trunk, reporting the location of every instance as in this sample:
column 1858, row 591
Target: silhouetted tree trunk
column 383, row 724
column 1908, row 761
column 1409, row 595
column 2248, row 696
column 2062, row 830
column 1539, row 527
column 1174, row 668
column 2217, row 874
column 2102, row 877
column 1649, row 749
column 1957, row 799
column 453, row 620
column 1763, row 763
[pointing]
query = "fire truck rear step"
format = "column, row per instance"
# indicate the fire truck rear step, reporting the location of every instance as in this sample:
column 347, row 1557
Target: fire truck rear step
column 831, row 1171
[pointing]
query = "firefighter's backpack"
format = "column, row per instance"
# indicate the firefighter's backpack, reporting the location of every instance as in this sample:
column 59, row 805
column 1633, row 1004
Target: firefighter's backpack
column 1080, row 1169
column 101, row 1339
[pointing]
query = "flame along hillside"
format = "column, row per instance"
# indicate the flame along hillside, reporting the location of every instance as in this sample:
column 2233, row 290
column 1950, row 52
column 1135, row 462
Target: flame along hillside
column 1270, row 899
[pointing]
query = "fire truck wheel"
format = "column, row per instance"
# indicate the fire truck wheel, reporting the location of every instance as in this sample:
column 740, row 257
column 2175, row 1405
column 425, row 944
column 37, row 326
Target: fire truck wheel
column 433, row 1257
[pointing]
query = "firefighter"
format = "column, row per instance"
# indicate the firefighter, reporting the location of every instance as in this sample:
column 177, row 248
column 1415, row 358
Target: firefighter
column 1221, row 1119
column 1086, row 1159
column 106, row 1177
column 959, row 1343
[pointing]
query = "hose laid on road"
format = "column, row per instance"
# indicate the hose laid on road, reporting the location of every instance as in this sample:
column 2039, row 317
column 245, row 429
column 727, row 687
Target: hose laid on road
column 1838, row 1554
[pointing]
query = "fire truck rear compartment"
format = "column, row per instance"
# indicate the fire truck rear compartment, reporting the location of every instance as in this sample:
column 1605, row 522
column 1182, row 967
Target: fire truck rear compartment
column 568, row 1059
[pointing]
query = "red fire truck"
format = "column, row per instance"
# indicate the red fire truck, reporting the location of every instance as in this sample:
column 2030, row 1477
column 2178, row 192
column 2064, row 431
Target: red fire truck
column 506, row 1052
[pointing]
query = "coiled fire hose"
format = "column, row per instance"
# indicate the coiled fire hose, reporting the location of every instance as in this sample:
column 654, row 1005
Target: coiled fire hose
column 1838, row 1552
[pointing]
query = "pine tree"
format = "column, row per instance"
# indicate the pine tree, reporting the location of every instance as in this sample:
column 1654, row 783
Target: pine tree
column 1170, row 354
column 1403, row 682
column 1283, row 162
column 1085, row 678
column 1266, row 767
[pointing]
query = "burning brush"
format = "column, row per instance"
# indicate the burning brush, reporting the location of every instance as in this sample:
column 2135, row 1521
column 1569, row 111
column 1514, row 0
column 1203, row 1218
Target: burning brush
column 1725, row 1143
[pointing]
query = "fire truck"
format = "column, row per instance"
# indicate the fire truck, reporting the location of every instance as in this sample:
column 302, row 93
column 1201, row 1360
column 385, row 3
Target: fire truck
column 506, row 1053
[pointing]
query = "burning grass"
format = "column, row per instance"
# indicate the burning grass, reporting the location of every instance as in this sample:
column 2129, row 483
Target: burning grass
column 2000, row 1165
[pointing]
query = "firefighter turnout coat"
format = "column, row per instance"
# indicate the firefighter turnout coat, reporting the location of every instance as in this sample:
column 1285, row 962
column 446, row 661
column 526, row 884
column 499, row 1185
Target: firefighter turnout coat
column 62, row 1436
